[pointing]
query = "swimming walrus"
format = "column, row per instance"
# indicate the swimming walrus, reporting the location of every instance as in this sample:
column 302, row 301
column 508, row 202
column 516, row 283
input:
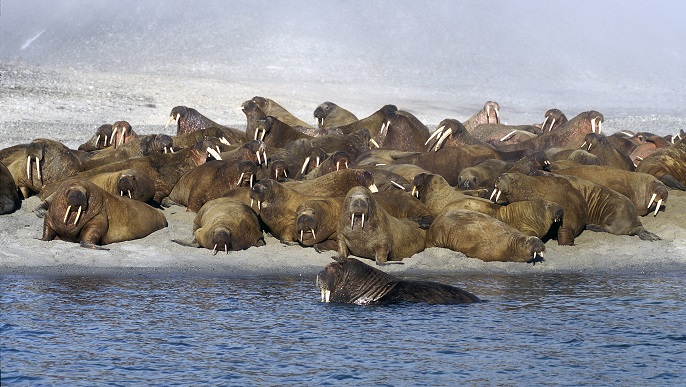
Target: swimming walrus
column 609, row 211
column 83, row 212
column 366, row 230
column 330, row 115
column 351, row 281
column 668, row 165
column 518, row 187
column 481, row 236
column 9, row 197
column 224, row 224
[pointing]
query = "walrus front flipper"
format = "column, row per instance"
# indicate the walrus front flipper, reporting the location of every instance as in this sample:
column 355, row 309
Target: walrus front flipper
column 92, row 246
column 647, row 235
column 326, row 246
column 671, row 182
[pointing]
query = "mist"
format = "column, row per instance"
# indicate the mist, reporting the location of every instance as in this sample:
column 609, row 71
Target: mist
column 614, row 55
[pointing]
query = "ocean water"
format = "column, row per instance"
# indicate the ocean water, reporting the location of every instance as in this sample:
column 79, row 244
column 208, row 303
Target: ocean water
column 562, row 329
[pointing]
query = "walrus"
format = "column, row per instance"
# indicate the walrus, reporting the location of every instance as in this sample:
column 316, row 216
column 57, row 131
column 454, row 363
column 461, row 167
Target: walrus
column 132, row 183
column 518, row 187
column 226, row 135
column 366, row 230
column 401, row 131
column 100, row 140
column 387, row 180
column 276, row 133
column 668, row 165
column 351, row 281
column 374, row 122
column 316, row 222
column 224, row 224
column 489, row 114
column 83, row 212
column 480, row 236
column 553, row 119
column 271, row 108
column 481, row 175
column 337, row 161
column 606, row 152
column 47, row 161
column 9, row 197
column 211, row 180
column 335, row 183
column 330, row 115
column 140, row 146
column 609, row 211
column 122, row 133
column 188, row 120
column 312, row 160
column 642, row 189
column 577, row 156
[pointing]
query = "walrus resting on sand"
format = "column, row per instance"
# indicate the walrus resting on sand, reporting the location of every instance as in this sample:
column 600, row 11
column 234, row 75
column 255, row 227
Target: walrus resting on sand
column 9, row 197
column 366, row 230
column 83, row 212
column 228, row 225
column 353, row 282
column 480, row 236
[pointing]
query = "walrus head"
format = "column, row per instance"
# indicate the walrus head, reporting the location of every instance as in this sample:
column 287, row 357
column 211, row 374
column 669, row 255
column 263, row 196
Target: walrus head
column 256, row 151
column 322, row 111
column 278, row 170
column 176, row 114
column 264, row 192
column 352, row 281
column 221, row 240
column 157, row 144
column 594, row 140
column 422, row 183
column 128, row 185
column 317, row 155
column 100, row 140
column 248, row 171
column 536, row 248
column 263, row 127
column 35, row 153
column 596, row 119
column 492, row 110
column 658, row 195
column 360, row 205
column 447, row 129
column 121, row 133
column 306, row 225
column 553, row 119
column 532, row 163
column 76, row 198
column 504, row 184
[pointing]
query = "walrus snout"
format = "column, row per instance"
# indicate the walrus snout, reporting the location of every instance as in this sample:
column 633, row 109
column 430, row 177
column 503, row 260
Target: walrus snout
column 221, row 240
column 306, row 224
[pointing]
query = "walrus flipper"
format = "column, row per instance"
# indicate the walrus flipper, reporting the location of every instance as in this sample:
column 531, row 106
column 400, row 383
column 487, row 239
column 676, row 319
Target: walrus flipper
column 92, row 246
column 647, row 235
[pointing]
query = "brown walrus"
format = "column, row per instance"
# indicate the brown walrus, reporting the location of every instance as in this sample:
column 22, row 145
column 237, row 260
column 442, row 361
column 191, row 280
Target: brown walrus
column 489, row 114
column 337, row 161
column 330, row 115
column 351, row 281
column 609, row 211
column 606, row 152
column 47, row 161
column 140, row 146
column 224, row 224
column 481, row 175
column 373, row 122
column 642, row 189
column 366, row 230
column 271, row 108
column 83, row 212
column 9, row 197
column 122, row 133
column 401, row 131
column 132, row 183
column 668, row 165
column 480, row 236
column 335, row 183
column 189, row 120
column 100, row 140
column 227, row 136
column 553, row 119
column 316, row 222
column 518, row 187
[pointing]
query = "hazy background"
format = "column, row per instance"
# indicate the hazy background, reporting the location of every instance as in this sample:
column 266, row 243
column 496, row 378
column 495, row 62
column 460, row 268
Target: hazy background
column 618, row 57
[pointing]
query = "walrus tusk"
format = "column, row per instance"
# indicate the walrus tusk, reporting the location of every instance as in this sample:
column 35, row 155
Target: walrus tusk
column 28, row 168
column 589, row 146
column 251, row 179
column 226, row 249
column 130, row 194
column 371, row 140
column 105, row 143
column 373, row 188
column 121, row 193
column 498, row 196
column 318, row 160
column 259, row 205
column 440, row 141
column 326, row 295
column 307, row 161
column 214, row 250
column 251, row 202
column 264, row 154
column 78, row 215
column 338, row 165
column 171, row 118
column 600, row 127
column 165, row 150
column 493, row 193
column 544, row 122
column 224, row 141
column 255, row 136
column 40, row 178
column 593, row 125
column 97, row 141
column 397, row 185
column 259, row 158
column 657, row 207
column 213, row 153
column 285, row 173
column 122, row 139
column 240, row 179
column 314, row 236
column 114, row 134
column 584, row 144
column 66, row 214
column 551, row 125
column 352, row 220
column 436, row 133
column 652, row 198
column 415, row 192
column 362, row 220
column 488, row 114
column 262, row 134
column 509, row 135
column 301, row 234
column 216, row 147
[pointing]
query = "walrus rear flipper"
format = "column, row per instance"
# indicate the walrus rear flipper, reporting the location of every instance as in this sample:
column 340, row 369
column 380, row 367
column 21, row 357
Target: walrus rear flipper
column 92, row 246
column 671, row 182
column 192, row 243
column 646, row 235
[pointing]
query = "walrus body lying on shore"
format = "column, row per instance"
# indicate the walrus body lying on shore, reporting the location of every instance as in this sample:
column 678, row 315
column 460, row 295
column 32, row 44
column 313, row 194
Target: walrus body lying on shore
column 366, row 230
column 9, row 197
column 353, row 282
column 481, row 236
column 82, row 212
column 225, row 224
column 668, row 165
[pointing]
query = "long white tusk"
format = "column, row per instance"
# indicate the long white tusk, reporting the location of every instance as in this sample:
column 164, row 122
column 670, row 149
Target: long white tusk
column 214, row 250
column 216, row 147
column 224, row 141
column 593, row 125
column 397, row 185
column 352, row 220
column 240, row 179
column 259, row 205
column 226, row 249
column 130, row 194
column 318, row 160
column 373, row 188
column 415, row 193
column 114, row 134
column 165, row 150
column 255, row 136
column 264, row 154
column 362, row 220
column 28, row 168
column 262, row 134
column 657, row 207
column 589, row 146
column 371, row 140
column 285, row 173
column 440, row 141
column 436, row 133
column 213, row 153
column 78, row 215
column 105, row 143
column 259, row 158
column 314, row 236
column 251, row 179
column 544, row 122
column 301, row 234
column 600, row 127
column 509, row 135
column 498, row 196
column 171, row 118
column 307, row 161
column 251, row 202
column 493, row 193
column 583, row 145
column 121, row 193
column 66, row 214
column 40, row 178
column 652, row 198
column 497, row 115
column 551, row 125
column 97, row 141
column 338, row 165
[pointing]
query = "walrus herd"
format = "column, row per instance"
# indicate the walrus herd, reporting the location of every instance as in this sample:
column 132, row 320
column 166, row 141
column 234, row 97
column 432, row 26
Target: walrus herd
column 381, row 188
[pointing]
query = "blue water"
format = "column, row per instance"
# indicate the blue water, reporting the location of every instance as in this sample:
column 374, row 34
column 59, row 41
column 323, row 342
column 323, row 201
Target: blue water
column 189, row 330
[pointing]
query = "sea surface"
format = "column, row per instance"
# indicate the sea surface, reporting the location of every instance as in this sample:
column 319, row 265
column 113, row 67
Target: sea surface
column 556, row 330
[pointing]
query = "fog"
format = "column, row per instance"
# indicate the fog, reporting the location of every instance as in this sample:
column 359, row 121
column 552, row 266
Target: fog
column 625, row 57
